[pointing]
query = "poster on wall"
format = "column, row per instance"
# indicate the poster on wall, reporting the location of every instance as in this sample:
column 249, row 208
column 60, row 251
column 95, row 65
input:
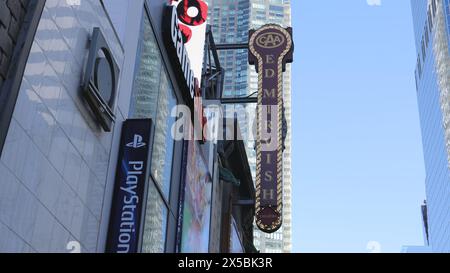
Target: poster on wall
column 196, row 202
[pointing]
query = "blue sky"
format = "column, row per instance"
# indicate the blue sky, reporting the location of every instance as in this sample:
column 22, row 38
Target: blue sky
column 358, row 173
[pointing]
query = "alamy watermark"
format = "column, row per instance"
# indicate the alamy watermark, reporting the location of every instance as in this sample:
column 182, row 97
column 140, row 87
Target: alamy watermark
column 218, row 122
column 373, row 247
column 73, row 247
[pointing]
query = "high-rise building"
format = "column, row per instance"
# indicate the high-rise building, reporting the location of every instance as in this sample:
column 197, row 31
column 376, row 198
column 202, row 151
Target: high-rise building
column 416, row 249
column 425, row 248
column 431, row 28
column 230, row 25
column 231, row 21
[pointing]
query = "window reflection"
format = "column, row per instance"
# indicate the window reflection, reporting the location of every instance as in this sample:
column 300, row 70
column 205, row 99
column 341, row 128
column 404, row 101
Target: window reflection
column 147, row 80
column 163, row 142
column 153, row 97
column 155, row 223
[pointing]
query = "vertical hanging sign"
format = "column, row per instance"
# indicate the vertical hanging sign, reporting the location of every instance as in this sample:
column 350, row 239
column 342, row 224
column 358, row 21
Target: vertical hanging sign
column 184, row 32
column 129, row 192
column 271, row 47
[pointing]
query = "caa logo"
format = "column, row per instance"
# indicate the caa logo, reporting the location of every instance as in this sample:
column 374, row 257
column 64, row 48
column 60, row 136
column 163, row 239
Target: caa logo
column 137, row 142
column 270, row 40
column 191, row 13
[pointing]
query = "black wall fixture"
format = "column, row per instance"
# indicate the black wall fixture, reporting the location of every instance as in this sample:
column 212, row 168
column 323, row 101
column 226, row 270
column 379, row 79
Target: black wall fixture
column 100, row 80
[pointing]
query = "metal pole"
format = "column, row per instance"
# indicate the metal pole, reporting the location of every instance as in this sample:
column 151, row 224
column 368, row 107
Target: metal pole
column 238, row 100
column 231, row 46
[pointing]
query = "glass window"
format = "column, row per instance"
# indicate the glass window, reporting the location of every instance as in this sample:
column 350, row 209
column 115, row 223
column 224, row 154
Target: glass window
column 155, row 223
column 147, row 80
column 153, row 97
column 163, row 143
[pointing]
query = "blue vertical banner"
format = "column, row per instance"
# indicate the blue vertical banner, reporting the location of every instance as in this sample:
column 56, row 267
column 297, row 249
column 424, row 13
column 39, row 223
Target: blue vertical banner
column 131, row 178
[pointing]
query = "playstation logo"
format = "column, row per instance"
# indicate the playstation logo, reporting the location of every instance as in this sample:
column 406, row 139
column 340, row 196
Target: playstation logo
column 137, row 142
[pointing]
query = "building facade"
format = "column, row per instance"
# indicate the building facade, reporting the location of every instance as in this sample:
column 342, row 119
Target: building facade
column 425, row 248
column 416, row 249
column 431, row 27
column 55, row 164
column 92, row 67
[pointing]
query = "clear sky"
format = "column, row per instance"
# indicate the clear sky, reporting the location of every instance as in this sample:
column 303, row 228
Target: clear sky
column 358, row 172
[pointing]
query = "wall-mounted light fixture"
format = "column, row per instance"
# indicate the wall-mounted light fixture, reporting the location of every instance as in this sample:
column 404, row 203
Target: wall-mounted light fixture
column 100, row 80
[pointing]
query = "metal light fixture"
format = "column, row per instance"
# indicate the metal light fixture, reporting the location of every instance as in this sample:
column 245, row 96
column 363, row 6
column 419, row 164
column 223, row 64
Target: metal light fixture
column 100, row 80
